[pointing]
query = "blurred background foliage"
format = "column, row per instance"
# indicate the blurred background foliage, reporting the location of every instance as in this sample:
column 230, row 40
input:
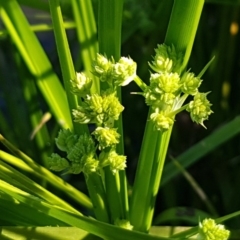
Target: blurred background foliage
column 144, row 26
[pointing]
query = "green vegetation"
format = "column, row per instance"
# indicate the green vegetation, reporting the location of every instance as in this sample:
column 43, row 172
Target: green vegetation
column 119, row 99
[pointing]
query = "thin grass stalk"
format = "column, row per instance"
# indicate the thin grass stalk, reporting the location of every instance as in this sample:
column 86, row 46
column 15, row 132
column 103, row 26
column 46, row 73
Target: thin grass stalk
column 109, row 37
column 181, row 33
column 65, row 58
column 21, row 181
column 87, row 35
column 103, row 230
column 142, row 180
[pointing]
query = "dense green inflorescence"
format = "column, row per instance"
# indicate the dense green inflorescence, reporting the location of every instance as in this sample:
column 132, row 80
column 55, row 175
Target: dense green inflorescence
column 169, row 88
column 209, row 230
column 166, row 93
column 90, row 153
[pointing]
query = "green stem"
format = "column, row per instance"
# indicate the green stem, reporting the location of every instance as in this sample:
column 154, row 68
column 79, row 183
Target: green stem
column 181, row 33
column 109, row 36
column 142, row 180
column 156, row 174
column 140, row 83
column 65, row 58
column 94, row 183
column 183, row 26
column 87, row 35
column 98, row 197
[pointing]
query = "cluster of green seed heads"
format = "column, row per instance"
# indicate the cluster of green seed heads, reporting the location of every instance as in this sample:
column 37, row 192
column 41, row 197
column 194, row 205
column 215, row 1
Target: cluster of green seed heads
column 209, row 230
column 90, row 153
column 169, row 88
column 166, row 93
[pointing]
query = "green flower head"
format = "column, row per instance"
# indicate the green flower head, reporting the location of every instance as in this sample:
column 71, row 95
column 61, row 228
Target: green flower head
column 112, row 108
column 102, row 68
column 90, row 165
column 166, row 59
column 98, row 109
column 89, row 110
column 81, row 84
column 124, row 71
column 190, row 83
column 161, row 121
column 112, row 159
column 209, row 230
column 164, row 82
column 117, row 162
column 106, row 137
column 199, row 108
column 162, row 90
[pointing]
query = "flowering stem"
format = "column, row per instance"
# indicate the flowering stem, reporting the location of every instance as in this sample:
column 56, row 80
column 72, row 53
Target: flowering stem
column 98, row 196
column 140, row 83
column 183, row 25
column 141, row 185
column 94, row 183
column 174, row 113
column 87, row 35
column 156, row 174
column 109, row 36
column 181, row 33
column 65, row 58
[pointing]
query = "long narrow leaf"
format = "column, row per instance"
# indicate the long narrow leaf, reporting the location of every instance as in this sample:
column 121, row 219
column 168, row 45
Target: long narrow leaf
column 36, row 60
column 90, row 225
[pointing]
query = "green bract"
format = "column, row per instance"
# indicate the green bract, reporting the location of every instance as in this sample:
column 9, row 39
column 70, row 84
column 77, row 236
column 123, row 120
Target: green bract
column 66, row 140
column 57, row 163
column 84, row 147
column 209, row 230
column 80, row 153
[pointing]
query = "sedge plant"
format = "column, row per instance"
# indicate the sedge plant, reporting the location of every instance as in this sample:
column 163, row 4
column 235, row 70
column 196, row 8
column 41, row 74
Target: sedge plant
column 91, row 140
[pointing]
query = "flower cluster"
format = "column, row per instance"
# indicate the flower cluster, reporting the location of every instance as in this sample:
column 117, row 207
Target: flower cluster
column 209, row 230
column 99, row 109
column 80, row 152
column 167, row 59
column 115, row 74
column 168, row 89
